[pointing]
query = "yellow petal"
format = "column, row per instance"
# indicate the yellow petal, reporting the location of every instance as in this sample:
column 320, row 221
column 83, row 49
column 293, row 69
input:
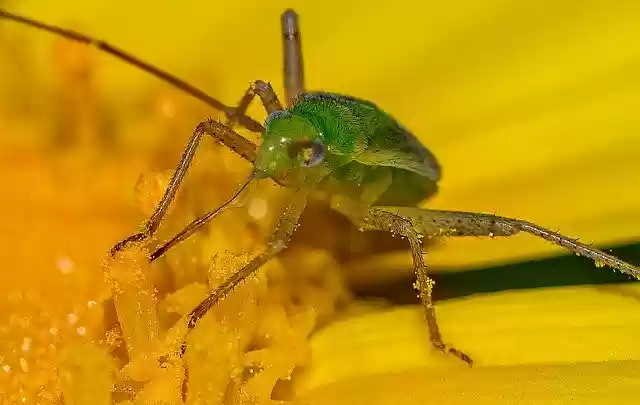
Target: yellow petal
column 590, row 383
column 538, row 345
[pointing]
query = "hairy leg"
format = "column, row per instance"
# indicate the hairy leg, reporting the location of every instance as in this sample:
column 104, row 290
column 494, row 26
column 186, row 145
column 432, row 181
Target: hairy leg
column 415, row 223
column 276, row 243
column 267, row 96
column 373, row 219
column 209, row 127
column 456, row 223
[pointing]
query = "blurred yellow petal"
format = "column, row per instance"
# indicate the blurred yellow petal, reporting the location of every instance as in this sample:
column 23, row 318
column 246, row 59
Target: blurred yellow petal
column 552, row 345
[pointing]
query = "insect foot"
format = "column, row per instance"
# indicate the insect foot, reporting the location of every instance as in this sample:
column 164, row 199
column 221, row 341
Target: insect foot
column 452, row 350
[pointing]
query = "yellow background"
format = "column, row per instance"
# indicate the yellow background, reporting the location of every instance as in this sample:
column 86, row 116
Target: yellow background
column 529, row 105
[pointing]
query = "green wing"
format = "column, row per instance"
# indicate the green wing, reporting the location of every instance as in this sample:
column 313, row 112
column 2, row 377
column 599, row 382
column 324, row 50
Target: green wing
column 392, row 145
column 374, row 137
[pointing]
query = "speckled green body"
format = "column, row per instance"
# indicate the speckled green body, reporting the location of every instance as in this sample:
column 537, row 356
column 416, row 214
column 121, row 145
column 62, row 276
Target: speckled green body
column 369, row 157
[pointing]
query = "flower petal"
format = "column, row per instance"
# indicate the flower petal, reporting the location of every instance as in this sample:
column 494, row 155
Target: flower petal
column 522, row 332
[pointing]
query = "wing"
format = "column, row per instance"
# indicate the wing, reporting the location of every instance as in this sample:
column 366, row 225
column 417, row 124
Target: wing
column 392, row 145
column 382, row 141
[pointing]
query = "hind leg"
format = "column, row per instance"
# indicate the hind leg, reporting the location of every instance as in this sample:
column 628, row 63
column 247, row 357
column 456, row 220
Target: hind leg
column 369, row 218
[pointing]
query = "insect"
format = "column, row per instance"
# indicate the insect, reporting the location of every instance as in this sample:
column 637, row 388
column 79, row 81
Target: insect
column 347, row 150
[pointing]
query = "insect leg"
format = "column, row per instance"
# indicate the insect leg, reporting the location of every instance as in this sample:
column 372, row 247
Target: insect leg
column 267, row 96
column 373, row 219
column 174, row 81
column 242, row 106
column 293, row 66
column 197, row 223
column 209, row 127
column 276, row 244
column 455, row 223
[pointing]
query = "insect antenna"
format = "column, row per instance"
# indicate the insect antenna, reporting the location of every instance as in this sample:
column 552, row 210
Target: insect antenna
column 199, row 222
column 247, row 122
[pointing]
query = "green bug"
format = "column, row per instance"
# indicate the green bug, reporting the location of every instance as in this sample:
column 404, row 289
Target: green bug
column 366, row 165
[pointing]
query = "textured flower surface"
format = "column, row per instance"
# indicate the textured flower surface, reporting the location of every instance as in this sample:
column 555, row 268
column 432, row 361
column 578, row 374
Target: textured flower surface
column 557, row 345
column 530, row 107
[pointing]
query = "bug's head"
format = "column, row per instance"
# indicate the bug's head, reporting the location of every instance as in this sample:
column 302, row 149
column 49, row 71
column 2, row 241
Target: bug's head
column 292, row 149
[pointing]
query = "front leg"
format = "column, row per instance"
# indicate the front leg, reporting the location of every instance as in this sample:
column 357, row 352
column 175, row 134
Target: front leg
column 276, row 244
column 209, row 127
column 267, row 96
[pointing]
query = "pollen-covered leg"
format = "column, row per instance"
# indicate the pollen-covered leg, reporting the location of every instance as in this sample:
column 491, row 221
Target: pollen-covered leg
column 375, row 219
column 454, row 223
column 425, row 285
column 209, row 127
column 277, row 242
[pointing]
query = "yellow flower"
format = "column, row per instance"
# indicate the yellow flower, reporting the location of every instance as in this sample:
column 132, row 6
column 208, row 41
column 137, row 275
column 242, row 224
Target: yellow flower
column 530, row 106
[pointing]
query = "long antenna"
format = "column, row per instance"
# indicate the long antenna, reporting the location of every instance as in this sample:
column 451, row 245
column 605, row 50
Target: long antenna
column 180, row 84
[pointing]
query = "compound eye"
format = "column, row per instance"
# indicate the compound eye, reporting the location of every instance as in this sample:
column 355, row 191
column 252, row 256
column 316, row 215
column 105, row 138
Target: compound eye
column 313, row 155
column 274, row 115
column 312, row 152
